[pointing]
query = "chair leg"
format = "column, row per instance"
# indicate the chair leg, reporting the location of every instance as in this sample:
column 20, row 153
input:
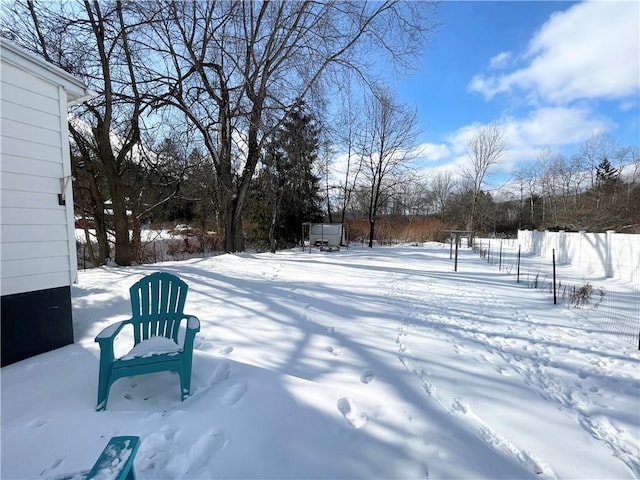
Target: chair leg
column 102, row 400
column 185, row 384
column 104, row 385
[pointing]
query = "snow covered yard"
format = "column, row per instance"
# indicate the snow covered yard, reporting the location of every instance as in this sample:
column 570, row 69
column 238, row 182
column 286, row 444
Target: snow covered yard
column 361, row 363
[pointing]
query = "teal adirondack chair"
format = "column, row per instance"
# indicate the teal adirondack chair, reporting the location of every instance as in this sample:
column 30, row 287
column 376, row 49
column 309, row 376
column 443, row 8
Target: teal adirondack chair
column 115, row 462
column 157, row 303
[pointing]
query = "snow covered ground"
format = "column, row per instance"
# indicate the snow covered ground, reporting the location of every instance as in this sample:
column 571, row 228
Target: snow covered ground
column 372, row 364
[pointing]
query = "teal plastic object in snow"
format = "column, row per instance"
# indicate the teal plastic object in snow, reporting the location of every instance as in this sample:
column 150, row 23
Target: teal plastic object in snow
column 114, row 463
column 157, row 303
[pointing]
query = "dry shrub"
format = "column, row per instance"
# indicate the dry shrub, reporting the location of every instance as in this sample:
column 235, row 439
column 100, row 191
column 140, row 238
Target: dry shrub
column 391, row 230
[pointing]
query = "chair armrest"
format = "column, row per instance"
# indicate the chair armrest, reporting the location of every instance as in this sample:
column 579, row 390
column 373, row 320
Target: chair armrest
column 193, row 327
column 111, row 331
column 193, row 323
column 106, row 338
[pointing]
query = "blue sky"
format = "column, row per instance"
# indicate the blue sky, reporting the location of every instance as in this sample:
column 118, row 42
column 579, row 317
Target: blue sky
column 552, row 73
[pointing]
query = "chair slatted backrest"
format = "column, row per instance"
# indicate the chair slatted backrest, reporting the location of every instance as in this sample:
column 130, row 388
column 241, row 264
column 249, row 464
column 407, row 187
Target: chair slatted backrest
column 157, row 303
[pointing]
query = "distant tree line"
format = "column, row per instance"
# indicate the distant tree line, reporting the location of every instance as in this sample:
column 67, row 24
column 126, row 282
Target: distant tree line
column 596, row 189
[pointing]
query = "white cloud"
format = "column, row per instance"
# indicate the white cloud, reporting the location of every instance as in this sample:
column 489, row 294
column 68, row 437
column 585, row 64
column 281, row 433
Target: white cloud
column 501, row 60
column 433, row 152
column 525, row 137
column 460, row 138
column 555, row 126
column 588, row 51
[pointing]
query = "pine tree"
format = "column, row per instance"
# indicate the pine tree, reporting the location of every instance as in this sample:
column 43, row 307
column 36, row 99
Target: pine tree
column 605, row 173
column 286, row 190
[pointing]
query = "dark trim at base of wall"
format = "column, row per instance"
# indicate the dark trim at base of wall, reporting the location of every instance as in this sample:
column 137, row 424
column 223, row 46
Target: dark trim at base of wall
column 35, row 322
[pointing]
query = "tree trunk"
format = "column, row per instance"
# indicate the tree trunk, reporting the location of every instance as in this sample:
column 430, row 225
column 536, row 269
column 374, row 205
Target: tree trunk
column 136, row 239
column 272, row 230
column 104, row 251
column 118, row 206
column 372, row 224
column 121, row 224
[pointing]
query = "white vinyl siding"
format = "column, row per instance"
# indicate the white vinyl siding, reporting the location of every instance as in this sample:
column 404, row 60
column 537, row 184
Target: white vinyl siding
column 14, row 152
column 15, row 94
column 31, row 133
column 18, row 217
column 35, row 250
column 37, row 243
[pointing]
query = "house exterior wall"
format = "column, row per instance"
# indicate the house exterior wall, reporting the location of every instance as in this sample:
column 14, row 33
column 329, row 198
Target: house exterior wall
column 37, row 244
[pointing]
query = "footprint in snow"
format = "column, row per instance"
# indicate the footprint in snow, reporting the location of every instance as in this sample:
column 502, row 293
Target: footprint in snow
column 53, row 466
column 354, row 417
column 154, row 451
column 198, row 455
column 37, row 423
column 203, row 345
column 334, row 351
column 234, row 394
column 226, row 350
column 220, row 374
column 367, row 376
column 460, row 406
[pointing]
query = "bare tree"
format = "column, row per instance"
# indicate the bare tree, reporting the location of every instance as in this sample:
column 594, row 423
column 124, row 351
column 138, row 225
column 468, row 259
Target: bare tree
column 388, row 144
column 441, row 187
column 629, row 170
column 484, row 150
column 527, row 179
column 347, row 127
column 237, row 70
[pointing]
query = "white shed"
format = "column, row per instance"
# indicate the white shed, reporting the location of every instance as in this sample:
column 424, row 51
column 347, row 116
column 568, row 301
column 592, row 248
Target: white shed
column 37, row 244
column 324, row 234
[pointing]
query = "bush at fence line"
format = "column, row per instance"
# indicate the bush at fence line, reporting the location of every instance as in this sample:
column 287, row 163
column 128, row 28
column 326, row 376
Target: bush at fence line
column 580, row 296
column 162, row 249
column 145, row 254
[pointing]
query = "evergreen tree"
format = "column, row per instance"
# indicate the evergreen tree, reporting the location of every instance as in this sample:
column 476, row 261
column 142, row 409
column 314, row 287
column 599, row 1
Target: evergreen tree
column 605, row 173
column 286, row 191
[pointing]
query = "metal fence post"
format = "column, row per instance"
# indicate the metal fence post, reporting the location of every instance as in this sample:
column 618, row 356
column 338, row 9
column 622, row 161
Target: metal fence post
column 553, row 256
